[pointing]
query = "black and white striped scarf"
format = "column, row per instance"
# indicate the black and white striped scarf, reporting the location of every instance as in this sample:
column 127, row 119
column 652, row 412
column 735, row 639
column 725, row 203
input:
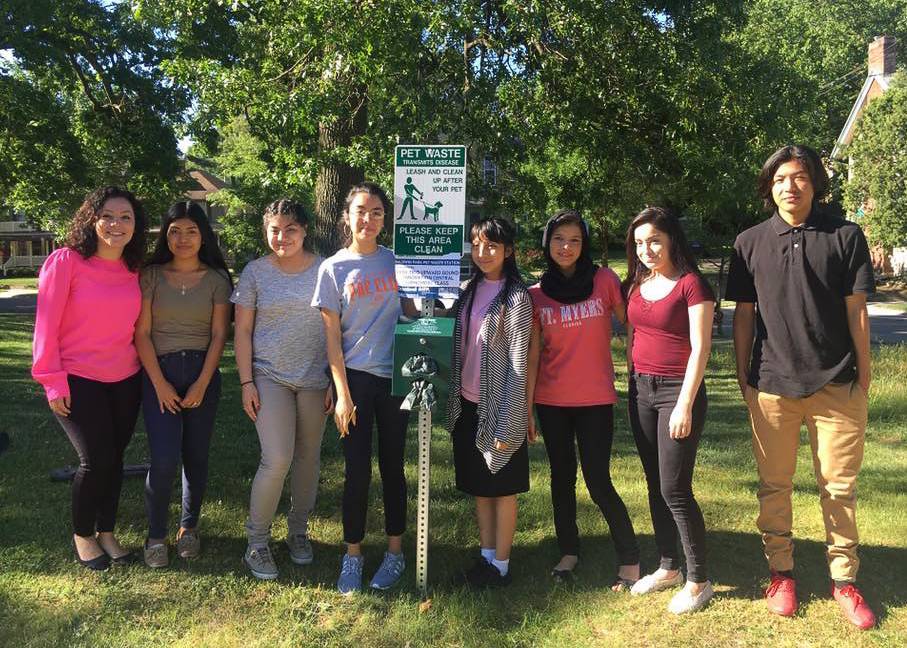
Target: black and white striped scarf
column 502, row 408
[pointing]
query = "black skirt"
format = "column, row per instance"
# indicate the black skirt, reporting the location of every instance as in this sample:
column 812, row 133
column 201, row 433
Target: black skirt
column 473, row 476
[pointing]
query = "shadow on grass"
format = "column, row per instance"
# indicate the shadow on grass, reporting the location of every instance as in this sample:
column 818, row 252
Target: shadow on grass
column 736, row 566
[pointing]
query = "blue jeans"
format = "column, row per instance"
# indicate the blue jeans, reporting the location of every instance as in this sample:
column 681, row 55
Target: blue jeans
column 171, row 437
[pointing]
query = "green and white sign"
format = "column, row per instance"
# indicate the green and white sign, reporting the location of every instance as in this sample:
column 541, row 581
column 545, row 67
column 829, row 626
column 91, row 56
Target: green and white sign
column 429, row 218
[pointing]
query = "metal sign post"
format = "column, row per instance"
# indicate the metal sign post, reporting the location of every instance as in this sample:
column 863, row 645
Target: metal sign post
column 424, row 429
column 429, row 221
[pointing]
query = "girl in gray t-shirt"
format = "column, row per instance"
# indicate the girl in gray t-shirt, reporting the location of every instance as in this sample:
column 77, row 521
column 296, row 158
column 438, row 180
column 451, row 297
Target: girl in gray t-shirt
column 357, row 295
column 281, row 360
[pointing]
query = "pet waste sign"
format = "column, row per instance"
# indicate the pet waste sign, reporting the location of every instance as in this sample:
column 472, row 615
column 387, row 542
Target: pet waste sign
column 429, row 217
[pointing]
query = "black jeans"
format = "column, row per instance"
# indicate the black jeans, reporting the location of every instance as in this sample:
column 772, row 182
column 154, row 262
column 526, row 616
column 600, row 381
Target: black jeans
column 172, row 437
column 372, row 397
column 99, row 426
column 593, row 429
column 668, row 464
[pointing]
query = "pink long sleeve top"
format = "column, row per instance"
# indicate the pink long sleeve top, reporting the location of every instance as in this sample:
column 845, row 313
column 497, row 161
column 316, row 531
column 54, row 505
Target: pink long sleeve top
column 84, row 326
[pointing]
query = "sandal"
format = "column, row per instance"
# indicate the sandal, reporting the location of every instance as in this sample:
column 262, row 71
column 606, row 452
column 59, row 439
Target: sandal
column 564, row 575
column 622, row 584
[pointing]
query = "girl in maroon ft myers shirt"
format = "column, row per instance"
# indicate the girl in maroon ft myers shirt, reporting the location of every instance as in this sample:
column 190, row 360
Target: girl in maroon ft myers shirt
column 669, row 333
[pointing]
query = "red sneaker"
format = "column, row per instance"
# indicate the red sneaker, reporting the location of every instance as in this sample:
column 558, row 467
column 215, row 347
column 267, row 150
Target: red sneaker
column 854, row 606
column 781, row 595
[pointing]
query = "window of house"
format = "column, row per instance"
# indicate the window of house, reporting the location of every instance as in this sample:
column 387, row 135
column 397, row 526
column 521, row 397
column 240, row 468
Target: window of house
column 489, row 171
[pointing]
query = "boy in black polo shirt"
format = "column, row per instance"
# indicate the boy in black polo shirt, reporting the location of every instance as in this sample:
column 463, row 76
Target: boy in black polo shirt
column 800, row 280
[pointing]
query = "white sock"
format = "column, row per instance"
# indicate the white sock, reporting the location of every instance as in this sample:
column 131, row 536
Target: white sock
column 488, row 554
column 503, row 566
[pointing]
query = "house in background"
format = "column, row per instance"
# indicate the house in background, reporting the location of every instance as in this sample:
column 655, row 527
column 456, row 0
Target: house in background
column 22, row 245
column 205, row 183
column 881, row 69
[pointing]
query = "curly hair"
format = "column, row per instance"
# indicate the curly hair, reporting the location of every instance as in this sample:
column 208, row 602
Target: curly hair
column 83, row 238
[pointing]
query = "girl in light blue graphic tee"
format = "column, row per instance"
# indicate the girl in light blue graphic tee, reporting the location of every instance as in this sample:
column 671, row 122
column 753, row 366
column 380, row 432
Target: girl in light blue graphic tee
column 357, row 295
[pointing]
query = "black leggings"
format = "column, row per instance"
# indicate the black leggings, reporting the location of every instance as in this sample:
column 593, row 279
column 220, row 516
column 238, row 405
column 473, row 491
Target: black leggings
column 372, row 397
column 593, row 429
column 99, row 426
column 668, row 464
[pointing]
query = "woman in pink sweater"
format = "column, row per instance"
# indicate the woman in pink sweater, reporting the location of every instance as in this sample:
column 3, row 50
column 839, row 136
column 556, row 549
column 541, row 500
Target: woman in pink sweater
column 84, row 357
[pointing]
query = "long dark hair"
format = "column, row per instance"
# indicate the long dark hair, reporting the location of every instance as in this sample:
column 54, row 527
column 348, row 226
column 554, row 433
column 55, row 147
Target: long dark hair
column 497, row 230
column 209, row 253
column 806, row 156
column 666, row 222
column 366, row 187
column 83, row 238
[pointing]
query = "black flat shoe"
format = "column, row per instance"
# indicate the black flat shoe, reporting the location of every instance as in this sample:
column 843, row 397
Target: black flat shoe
column 127, row 558
column 98, row 563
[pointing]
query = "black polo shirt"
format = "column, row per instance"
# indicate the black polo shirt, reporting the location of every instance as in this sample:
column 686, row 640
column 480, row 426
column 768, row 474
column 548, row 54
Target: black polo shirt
column 798, row 278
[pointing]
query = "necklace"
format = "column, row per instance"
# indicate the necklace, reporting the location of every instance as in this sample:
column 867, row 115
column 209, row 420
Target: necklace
column 183, row 286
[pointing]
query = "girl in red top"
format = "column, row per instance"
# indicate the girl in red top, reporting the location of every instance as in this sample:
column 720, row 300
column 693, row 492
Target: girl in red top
column 669, row 334
column 571, row 385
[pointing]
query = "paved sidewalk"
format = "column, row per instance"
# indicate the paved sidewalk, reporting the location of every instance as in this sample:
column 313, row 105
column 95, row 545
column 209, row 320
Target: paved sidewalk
column 18, row 300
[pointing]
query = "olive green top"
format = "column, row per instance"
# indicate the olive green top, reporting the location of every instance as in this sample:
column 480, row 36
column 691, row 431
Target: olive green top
column 181, row 317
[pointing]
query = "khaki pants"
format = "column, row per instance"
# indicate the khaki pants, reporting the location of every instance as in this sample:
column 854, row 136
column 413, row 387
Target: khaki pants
column 290, row 426
column 835, row 417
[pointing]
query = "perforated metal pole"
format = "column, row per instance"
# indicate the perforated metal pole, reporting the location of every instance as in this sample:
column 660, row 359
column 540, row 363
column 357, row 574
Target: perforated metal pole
column 424, row 428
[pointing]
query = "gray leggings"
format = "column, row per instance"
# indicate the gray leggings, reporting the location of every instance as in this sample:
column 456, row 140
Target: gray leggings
column 290, row 426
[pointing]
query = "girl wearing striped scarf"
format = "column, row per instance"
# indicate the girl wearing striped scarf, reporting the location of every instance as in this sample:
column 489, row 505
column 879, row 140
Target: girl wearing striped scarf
column 488, row 416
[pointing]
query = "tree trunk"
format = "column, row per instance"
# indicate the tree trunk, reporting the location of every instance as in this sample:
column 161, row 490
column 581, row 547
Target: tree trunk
column 335, row 177
column 603, row 242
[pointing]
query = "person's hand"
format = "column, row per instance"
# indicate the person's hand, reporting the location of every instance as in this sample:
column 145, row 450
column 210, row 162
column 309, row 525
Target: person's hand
column 328, row 400
column 681, row 422
column 864, row 381
column 250, row 401
column 195, row 394
column 60, row 406
column 532, row 434
column 167, row 398
column 344, row 414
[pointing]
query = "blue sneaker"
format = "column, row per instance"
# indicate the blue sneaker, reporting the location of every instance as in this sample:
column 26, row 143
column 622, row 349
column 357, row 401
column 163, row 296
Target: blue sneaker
column 389, row 572
column 350, row 580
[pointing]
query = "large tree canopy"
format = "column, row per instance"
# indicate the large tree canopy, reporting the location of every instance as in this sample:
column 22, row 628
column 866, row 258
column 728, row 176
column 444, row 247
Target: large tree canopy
column 603, row 106
column 327, row 86
column 83, row 102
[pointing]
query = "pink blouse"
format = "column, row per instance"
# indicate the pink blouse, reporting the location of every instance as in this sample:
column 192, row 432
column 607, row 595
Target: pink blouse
column 474, row 338
column 85, row 323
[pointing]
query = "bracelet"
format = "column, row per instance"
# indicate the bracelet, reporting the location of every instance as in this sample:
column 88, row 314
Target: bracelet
column 247, row 382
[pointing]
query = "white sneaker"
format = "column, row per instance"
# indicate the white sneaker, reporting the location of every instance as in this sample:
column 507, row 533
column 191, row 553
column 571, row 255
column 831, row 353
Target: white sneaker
column 652, row 583
column 683, row 602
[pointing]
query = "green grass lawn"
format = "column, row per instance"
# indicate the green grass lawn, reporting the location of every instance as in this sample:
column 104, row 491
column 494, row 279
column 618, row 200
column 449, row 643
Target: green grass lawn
column 48, row 600
column 30, row 283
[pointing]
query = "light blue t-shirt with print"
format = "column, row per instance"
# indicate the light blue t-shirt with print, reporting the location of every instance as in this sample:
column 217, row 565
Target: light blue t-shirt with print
column 363, row 290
